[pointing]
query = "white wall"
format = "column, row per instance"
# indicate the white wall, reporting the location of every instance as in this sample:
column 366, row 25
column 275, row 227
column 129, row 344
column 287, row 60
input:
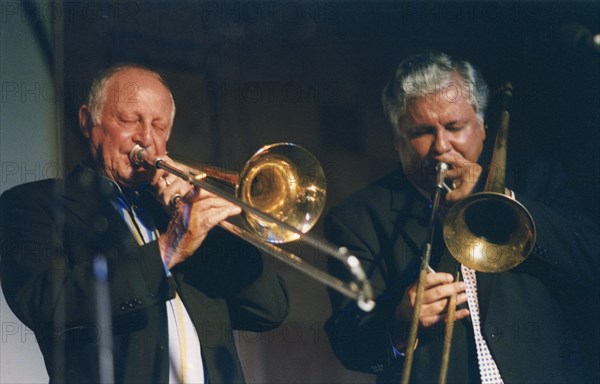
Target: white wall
column 28, row 152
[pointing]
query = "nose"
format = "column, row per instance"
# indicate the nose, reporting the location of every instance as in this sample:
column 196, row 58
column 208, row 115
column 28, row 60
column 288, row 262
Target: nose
column 441, row 142
column 143, row 134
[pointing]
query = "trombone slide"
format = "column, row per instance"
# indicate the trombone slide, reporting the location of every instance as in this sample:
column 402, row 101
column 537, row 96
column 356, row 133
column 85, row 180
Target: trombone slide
column 359, row 290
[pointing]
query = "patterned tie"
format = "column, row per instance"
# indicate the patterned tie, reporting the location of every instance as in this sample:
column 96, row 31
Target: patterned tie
column 487, row 366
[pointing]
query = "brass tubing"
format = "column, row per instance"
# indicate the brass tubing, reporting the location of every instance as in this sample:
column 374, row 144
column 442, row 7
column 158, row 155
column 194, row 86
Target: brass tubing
column 359, row 289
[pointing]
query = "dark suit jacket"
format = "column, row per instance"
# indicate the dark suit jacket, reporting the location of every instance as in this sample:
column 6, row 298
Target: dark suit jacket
column 51, row 233
column 530, row 314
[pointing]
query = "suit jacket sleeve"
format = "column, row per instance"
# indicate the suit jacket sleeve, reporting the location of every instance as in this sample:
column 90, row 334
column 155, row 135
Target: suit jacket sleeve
column 362, row 340
column 229, row 268
column 48, row 251
column 566, row 252
column 48, row 263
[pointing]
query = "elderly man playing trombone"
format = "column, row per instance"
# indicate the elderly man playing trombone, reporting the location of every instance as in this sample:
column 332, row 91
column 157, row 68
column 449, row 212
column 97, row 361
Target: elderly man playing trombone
column 521, row 325
column 175, row 286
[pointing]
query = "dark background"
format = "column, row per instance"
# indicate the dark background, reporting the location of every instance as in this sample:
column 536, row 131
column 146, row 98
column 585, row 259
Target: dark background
column 249, row 73
column 245, row 74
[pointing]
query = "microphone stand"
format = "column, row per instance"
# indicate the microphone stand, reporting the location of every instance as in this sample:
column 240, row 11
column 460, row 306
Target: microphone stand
column 425, row 257
column 103, row 317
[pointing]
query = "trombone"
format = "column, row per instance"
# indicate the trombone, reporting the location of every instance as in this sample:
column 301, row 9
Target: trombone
column 281, row 191
column 487, row 231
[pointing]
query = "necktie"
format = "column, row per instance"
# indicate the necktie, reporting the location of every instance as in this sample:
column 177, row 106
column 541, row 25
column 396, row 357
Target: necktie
column 139, row 221
column 487, row 366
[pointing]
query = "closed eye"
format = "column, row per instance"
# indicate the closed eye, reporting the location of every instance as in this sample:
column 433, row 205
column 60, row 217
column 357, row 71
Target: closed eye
column 128, row 119
column 159, row 125
column 455, row 128
column 419, row 131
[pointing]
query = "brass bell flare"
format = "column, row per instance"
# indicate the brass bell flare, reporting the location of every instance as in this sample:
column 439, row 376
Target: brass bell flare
column 489, row 232
column 286, row 182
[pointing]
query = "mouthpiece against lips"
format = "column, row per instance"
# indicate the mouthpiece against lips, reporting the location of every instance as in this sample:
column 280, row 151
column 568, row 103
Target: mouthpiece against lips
column 138, row 155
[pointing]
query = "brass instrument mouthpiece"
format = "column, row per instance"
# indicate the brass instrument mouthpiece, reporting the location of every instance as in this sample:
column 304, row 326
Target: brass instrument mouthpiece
column 138, row 155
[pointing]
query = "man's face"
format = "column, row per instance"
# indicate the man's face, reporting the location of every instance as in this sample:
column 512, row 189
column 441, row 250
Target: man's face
column 137, row 109
column 434, row 128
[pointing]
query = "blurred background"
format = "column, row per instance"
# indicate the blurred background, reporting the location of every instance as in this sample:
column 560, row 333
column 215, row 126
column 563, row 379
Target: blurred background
column 249, row 73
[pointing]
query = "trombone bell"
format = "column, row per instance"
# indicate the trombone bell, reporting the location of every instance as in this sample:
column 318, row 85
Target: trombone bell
column 489, row 232
column 286, row 182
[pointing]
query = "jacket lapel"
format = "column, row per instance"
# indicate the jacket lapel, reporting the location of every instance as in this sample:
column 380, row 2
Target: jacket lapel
column 410, row 224
column 485, row 290
column 86, row 197
column 210, row 316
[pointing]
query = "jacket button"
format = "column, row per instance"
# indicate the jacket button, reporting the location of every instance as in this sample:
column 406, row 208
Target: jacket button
column 495, row 335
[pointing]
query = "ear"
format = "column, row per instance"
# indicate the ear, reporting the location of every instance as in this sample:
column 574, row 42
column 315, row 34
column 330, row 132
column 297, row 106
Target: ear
column 85, row 121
